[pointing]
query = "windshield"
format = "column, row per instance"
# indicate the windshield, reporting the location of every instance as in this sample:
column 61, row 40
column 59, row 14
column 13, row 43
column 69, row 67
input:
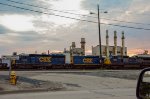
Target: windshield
column 85, row 49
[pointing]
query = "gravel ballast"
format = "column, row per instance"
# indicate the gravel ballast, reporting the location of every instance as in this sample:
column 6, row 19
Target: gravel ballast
column 27, row 84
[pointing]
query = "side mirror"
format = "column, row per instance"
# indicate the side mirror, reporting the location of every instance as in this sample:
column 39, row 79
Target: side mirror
column 143, row 85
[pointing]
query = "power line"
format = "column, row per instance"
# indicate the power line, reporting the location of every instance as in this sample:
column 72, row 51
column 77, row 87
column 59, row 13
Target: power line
column 125, row 21
column 72, row 18
column 121, row 11
column 75, row 13
column 50, row 9
column 63, row 11
column 44, row 12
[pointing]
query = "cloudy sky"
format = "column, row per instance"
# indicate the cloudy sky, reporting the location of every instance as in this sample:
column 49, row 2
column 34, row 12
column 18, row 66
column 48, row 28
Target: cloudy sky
column 26, row 29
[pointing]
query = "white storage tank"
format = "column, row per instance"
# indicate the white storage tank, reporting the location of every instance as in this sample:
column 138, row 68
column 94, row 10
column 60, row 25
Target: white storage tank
column 67, row 58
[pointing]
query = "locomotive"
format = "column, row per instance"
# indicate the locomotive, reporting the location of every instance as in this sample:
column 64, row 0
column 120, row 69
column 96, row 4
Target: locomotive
column 126, row 62
column 55, row 61
column 34, row 61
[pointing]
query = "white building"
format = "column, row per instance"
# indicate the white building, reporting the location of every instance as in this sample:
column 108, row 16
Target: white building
column 77, row 51
column 8, row 58
column 96, row 51
column 67, row 57
column 107, row 50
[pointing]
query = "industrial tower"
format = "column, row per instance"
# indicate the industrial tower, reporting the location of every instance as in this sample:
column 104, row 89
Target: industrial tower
column 107, row 60
column 83, row 45
column 123, row 44
column 115, row 43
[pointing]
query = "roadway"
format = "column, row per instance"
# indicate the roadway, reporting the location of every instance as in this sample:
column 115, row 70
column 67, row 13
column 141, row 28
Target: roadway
column 84, row 94
column 80, row 86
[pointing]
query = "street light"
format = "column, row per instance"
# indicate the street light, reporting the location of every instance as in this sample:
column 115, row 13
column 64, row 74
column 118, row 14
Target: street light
column 99, row 28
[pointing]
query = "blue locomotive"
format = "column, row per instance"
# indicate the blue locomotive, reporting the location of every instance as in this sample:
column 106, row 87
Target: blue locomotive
column 53, row 61
column 39, row 61
column 34, row 61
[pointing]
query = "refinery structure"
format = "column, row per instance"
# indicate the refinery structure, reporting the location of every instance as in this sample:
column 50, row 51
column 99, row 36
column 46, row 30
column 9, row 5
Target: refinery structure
column 75, row 50
column 108, row 50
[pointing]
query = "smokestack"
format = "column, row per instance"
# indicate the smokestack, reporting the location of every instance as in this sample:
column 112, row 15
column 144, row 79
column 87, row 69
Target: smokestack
column 115, row 42
column 83, row 45
column 65, row 50
column 123, row 44
column 70, row 51
column 107, row 44
column 48, row 52
column 73, row 45
column 14, row 53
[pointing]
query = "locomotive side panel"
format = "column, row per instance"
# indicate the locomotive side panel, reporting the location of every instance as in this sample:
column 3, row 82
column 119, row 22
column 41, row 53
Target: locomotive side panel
column 58, row 59
column 86, row 60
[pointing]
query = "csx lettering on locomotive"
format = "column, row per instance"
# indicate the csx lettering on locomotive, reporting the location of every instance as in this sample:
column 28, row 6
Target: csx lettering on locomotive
column 45, row 59
column 88, row 60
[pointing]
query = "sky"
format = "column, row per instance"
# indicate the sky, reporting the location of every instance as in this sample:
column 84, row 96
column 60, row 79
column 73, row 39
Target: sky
column 37, row 29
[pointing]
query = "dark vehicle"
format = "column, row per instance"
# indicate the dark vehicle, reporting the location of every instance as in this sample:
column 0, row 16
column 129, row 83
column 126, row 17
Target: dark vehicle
column 143, row 85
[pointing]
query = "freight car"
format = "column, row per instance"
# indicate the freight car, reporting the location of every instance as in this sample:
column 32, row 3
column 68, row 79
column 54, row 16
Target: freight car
column 145, row 62
column 129, row 62
column 132, row 63
column 143, row 59
column 126, row 62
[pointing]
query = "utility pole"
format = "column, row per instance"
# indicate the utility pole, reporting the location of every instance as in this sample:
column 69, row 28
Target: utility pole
column 99, row 28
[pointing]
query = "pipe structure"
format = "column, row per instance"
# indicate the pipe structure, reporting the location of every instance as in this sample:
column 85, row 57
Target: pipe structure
column 83, row 45
column 73, row 45
column 70, row 50
column 107, row 60
column 115, row 43
column 123, row 44
column 107, row 44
